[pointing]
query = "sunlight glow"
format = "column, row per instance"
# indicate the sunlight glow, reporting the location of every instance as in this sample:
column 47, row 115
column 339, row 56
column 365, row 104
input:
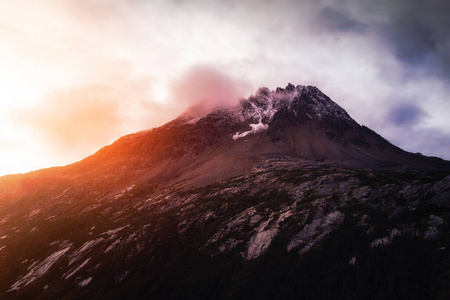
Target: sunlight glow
column 20, row 86
column 159, row 92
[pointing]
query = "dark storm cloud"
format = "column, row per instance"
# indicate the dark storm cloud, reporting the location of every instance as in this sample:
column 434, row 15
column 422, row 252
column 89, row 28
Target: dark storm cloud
column 406, row 114
column 336, row 20
column 416, row 32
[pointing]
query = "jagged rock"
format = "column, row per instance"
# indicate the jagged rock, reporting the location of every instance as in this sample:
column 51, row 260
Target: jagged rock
column 317, row 230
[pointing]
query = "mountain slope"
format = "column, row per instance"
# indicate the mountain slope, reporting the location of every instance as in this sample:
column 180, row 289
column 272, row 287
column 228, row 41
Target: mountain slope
column 297, row 122
column 284, row 196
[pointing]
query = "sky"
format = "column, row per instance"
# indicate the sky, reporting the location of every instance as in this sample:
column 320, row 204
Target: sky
column 75, row 75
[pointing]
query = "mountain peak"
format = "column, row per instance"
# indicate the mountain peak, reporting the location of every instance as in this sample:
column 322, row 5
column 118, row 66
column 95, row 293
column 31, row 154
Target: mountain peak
column 301, row 104
column 299, row 122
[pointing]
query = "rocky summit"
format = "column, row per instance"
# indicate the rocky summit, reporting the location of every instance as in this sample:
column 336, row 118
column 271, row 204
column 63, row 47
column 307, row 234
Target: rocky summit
column 283, row 196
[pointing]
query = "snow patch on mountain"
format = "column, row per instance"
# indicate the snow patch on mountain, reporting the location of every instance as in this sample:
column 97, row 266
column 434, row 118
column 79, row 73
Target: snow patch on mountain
column 255, row 129
column 262, row 107
column 324, row 106
column 258, row 110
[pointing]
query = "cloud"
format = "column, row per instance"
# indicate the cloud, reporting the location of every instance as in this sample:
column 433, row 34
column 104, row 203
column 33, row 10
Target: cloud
column 335, row 20
column 76, row 121
column 415, row 32
column 75, row 118
column 406, row 114
column 208, row 88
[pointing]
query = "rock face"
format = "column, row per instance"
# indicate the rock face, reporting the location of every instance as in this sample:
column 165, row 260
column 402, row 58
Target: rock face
column 282, row 197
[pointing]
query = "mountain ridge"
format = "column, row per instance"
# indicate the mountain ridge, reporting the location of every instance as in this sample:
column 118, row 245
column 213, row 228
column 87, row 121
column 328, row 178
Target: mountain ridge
column 201, row 148
column 308, row 205
column 296, row 121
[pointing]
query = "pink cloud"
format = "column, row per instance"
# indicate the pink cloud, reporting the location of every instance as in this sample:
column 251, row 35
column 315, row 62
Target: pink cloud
column 208, row 88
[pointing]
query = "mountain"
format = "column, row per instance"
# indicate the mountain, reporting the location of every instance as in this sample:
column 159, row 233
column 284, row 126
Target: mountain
column 283, row 196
